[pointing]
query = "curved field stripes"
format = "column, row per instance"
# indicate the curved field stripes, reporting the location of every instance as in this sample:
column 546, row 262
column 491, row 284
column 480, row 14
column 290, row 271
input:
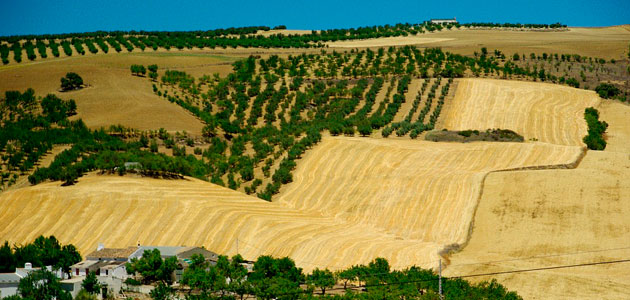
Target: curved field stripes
column 529, row 219
column 416, row 198
column 414, row 190
column 547, row 112
column 124, row 211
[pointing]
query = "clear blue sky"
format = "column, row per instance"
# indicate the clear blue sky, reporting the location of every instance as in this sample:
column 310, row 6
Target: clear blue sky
column 62, row 16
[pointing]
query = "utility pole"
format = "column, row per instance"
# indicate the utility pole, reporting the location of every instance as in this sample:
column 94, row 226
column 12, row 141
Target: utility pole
column 440, row 281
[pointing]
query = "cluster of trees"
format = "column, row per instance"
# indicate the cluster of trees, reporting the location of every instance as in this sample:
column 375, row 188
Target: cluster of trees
column 138, row 70
column 44, row 251
column 280, row 278
column 72, row 81
column 607, row 90
column 27, row 133
column 230, row 37
column 31, row 126
column 594, row 140
column 420, row 125
column 286, row 117
column 515, row 25
column 42, row 284
column 4, row 53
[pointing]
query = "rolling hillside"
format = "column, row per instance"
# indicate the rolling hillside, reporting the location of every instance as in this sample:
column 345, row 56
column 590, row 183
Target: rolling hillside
column 417, row 190
column 545, row 112
column 530, row 219
column 399, row 209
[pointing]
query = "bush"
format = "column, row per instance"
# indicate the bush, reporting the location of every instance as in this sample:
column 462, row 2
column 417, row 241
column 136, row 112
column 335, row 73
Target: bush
column 594, row 140
column 72, row 81
column 573, row 82
column 607, row 90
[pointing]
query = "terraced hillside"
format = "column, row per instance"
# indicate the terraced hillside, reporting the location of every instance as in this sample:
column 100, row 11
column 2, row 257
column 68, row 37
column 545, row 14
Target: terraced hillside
column 544, row 112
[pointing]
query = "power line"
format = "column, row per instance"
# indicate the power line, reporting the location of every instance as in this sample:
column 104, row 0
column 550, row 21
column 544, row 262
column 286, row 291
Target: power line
column 474, row 275
column 321, row 265
column 547, row 268
column 541, row 256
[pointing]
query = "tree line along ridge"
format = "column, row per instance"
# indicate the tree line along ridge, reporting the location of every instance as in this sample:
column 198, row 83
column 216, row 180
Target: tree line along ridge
column 102, row 41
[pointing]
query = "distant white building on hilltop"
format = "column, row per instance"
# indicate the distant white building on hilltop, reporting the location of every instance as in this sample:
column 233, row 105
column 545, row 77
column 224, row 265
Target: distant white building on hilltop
column 444, row 21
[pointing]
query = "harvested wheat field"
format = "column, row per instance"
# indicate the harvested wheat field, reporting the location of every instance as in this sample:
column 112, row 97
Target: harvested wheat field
column 606, row 42
column 531, row 219
column 123, row 211
column 415, row 190
column 321, row 218
column 545, row 112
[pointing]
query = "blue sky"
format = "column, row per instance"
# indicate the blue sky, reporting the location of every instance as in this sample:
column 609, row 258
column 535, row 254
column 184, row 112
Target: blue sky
column 61, row 16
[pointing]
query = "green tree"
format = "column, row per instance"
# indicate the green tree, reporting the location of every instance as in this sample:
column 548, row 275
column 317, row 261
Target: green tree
column 238, row 277
column 152, row 267
column 91, row 284
column 71, row 81
column 607, row 90
column 68, row 257
column 153, row 76
column 42, row 285
column 347, row 275
column 322, row 279
column 7, row 260
column 203, row 278
column 273, row 277
column 138, row 70
column 162, row 291
column 84, row 295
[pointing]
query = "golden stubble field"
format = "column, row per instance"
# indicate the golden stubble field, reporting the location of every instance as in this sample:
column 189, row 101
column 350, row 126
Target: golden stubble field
column 538, row 111
column 408, row 221
column 400, row 199
column 531, row 219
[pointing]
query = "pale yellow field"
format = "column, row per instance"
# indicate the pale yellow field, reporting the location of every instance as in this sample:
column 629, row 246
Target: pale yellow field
column 546, row 112
column 402, row 200
column 387, row 41
column 570, row 216
column 124, row 211
column 415, row 190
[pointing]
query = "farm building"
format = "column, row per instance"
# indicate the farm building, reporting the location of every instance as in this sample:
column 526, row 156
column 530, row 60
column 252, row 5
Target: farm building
column 181, row 253
column 444, row 21
column 113, row 254
column 9, row 281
